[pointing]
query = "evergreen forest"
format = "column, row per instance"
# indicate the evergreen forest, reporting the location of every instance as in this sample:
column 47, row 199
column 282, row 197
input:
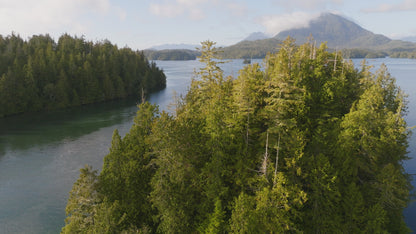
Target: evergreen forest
column 41, row 74
column 305, row 143
column 177, row 54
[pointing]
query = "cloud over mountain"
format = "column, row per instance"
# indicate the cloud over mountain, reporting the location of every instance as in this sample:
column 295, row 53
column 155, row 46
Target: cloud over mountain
column 277, row 23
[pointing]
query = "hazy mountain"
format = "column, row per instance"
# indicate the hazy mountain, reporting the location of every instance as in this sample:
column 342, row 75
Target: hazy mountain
column 256, row 36
column 337, row 31
column 411, row 38
column 175, row 47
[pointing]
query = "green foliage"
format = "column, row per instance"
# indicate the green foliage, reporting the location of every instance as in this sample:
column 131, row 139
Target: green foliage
column 308, row 144
column 271, row 210
column 127, row 170
column 368, row 153
column 216, row 221
column 364, row 53
column 82, row 203
column 40, row 74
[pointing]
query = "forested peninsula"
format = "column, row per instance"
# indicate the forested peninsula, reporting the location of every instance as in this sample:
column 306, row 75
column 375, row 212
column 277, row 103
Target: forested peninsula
column 304, row 144
column 41, row 74
column 177, row 54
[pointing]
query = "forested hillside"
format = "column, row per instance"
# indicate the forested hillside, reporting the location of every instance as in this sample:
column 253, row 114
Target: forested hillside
column 342, row 33
column 307, row 144
column 338, row 32
column 251, row 49
column 175, row 54
column 41, row 74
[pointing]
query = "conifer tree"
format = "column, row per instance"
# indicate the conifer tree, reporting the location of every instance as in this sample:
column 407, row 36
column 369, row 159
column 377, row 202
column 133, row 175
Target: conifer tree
column 373, row 144
column 82, row 203
column 127, row 170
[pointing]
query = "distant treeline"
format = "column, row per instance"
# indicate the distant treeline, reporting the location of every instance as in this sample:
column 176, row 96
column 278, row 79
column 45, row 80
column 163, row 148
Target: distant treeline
column 363, row 53
column 180, row 54
column 247, row 50
column 41, row 74
column 251, row 49
column 260, row 48
column 404, row 54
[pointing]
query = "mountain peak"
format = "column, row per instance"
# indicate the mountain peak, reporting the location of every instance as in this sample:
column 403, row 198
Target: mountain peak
column 337, row 31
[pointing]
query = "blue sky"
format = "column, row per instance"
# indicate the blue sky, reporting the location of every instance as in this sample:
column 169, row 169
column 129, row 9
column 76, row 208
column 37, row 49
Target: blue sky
column 141, row 24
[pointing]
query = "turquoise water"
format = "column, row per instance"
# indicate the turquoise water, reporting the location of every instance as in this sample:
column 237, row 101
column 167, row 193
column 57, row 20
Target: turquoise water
column 41, row 153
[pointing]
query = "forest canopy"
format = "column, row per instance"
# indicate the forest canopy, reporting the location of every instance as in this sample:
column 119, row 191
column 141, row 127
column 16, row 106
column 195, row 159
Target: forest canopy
column 304, row 144
column 41, row 74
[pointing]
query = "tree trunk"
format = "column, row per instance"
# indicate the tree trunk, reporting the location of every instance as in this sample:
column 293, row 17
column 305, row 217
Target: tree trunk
column 264, row 164
column 277, row 160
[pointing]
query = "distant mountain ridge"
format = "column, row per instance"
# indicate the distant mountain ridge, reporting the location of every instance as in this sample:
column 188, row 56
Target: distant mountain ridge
column 337, row 31
column 256, row 36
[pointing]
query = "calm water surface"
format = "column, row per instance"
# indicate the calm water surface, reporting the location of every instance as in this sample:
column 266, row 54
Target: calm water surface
column 41, row 154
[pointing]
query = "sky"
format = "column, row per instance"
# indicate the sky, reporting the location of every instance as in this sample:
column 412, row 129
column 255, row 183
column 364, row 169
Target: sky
column 140, row 24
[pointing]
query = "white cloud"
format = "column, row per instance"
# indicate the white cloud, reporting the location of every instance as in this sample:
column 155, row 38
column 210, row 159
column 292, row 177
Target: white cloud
column 277, row 23
column 51, row 16
column 195, row 9
column 191, row 2
column 166, row 10
column 307, row 4
column 237, row 9
column 196, row 14
column 101, row 6
column 406, row 5
column 122, row 15
column 191, row 8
